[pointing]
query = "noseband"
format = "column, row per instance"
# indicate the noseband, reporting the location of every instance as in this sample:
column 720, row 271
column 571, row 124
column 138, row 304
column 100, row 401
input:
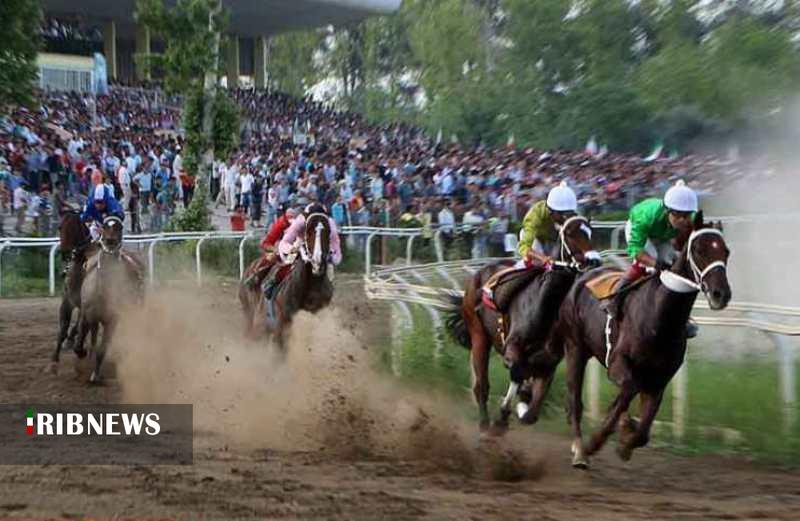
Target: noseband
column 114, row 221
column 572, row 263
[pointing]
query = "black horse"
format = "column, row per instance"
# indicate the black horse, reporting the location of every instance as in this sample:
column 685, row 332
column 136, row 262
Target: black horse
column 531, row 315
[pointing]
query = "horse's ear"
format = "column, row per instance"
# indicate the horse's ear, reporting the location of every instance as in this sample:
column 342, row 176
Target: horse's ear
column 698, row 220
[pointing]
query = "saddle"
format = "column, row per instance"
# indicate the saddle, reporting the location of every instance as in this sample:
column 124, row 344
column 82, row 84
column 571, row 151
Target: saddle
column 506, row 284
column 604, row 285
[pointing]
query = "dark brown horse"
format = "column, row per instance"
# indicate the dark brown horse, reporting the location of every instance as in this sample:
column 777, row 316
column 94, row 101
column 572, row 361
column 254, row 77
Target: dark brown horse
column 531, row 315
column 74, row 244
column 307, row 285
column 645, row 349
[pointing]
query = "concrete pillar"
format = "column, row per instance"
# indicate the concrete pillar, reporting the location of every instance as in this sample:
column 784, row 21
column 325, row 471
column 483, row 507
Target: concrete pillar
column 110, row 48
column 233, row 62
column 142, row 47
column 260, row 62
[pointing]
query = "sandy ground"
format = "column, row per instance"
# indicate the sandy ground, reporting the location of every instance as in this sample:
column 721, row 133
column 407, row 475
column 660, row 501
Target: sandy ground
column 322, row 436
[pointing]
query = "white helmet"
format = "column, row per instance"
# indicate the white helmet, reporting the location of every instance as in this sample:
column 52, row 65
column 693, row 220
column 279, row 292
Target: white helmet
column 681, row 198
column 562, row 199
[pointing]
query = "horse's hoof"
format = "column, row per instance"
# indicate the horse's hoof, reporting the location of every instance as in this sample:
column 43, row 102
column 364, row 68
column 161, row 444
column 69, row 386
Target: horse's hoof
column 52, row 367
column 80, row 353
column 580, row 464
column 95, row 379
column 579, row 459
column 498, row 428
column 624, row 452
column 529, row 418
column 522, row 410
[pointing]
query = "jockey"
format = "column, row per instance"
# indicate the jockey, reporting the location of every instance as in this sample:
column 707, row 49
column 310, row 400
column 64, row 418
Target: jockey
column 540, row 232
column 269, row 245
column 101, row 204
column 541, row 223
column 296, row 232
column 650, row 231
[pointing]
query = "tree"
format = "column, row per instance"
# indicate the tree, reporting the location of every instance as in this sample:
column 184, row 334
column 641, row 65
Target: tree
column 192, row 32
column 20, row 21
column 291, row 61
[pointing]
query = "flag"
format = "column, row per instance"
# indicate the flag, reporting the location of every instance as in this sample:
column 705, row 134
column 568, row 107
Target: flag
column 439, row 136
column 603, row 151
column 591, row 146
column 510, row 141
column 454, row 138
column 656, row 153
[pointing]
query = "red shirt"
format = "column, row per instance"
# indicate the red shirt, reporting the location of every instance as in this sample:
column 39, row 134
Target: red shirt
column 237, row 222
column 275, row 232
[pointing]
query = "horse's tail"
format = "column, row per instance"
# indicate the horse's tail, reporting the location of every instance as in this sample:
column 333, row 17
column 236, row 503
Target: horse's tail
column 463, row 311
column 455, row 324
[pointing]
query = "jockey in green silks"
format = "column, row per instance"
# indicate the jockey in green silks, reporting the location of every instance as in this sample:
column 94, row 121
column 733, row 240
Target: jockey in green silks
column 652, row 226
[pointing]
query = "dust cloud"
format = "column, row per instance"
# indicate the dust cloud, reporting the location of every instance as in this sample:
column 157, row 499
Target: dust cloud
column 763, row 266
column 325, row 395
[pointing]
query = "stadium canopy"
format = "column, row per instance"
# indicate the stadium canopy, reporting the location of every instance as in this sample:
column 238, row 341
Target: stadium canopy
column 249, row 18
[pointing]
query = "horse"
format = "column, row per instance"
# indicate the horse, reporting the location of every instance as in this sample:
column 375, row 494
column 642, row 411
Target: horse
column 74, row 244
column 107, row 283
column 531, row 315
column 647, row 346
column 307, row 286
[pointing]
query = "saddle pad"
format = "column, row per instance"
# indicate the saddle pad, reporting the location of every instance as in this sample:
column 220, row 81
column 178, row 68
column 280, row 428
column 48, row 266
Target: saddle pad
column 603, row 286
column 508, row 283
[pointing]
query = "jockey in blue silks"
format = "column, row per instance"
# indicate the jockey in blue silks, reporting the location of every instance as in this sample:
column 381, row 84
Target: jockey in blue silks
column 100, row 204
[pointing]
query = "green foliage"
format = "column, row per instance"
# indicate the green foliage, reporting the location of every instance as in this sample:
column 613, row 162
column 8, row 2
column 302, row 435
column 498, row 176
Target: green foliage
column 190, row 30
column 554, row 73
column 225, row 129
column 291, row 61
column 19, row 25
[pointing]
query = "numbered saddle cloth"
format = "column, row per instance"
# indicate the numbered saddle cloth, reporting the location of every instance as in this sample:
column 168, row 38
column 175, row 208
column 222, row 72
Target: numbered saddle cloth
column 605, row 284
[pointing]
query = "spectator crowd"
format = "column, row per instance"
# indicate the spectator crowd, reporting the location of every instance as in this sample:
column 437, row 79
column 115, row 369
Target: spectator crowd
column 292, row 152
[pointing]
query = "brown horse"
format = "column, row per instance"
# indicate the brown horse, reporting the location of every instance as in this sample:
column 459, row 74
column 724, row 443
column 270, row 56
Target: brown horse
column 307, row 285
column 531, row 315
column 75, row 244
column 108, row 283
column 646, row 347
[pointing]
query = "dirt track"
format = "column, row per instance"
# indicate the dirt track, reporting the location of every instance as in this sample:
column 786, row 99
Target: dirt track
column 443, row 479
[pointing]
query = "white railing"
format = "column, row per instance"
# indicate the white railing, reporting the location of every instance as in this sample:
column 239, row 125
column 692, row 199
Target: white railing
column 390, row 283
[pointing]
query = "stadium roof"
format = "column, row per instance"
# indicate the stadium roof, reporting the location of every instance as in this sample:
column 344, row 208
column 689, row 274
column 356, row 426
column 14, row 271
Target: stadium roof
column 248, row 17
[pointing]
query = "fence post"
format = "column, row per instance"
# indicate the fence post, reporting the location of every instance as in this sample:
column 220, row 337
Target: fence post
column 2, row 247
column 368, row 259
column 680, row 400
column 151, row 258
column 409, row 243
column 197, row 257
column 437, row 243
column 52, row 267
column 241, row 254
column 615, row 237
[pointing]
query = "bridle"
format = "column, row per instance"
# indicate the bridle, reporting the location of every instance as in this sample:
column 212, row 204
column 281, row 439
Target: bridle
column 314, row 258
column 103, row 245
column 565, row 249
column 682, row 284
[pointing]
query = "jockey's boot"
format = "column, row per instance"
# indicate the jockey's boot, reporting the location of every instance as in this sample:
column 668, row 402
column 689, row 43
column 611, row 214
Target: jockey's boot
column 691, row 329
column 270, row 282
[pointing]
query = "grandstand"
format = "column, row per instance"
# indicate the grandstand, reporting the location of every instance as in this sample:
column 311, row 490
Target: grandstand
column 252, row 22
